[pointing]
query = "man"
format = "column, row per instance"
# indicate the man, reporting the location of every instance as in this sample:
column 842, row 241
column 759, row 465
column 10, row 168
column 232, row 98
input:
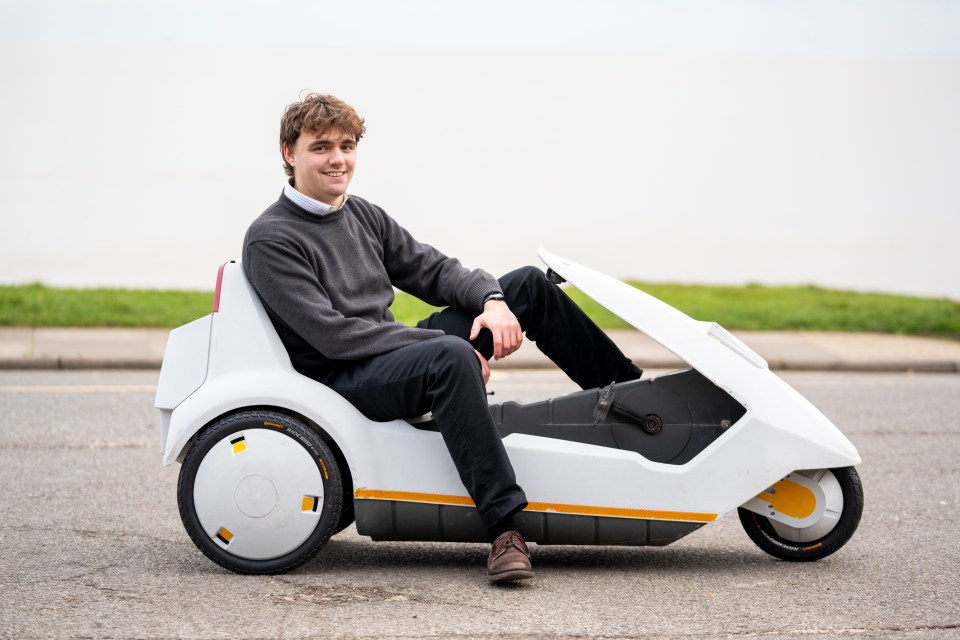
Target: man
column 325, row 265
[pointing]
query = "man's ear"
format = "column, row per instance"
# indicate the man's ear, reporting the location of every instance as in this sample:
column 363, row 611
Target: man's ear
column 287, row 155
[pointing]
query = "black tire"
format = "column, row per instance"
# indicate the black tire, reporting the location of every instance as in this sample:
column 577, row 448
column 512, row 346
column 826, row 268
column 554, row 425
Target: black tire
column 763, row 534
column 347, row 515
column 276, row 423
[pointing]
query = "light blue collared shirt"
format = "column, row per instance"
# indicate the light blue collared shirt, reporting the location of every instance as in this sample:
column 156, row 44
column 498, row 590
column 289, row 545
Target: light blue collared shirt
column 313, row 206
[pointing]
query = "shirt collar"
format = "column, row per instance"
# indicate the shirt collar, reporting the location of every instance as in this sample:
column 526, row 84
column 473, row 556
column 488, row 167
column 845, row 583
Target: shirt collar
column 313, row 206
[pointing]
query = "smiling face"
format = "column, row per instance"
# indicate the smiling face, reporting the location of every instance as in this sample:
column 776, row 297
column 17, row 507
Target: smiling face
column 323, row 164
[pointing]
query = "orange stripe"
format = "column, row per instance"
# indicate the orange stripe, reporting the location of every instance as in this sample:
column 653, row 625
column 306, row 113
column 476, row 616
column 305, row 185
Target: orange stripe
column 620, row 512
column 408, row 496
column 571, row 509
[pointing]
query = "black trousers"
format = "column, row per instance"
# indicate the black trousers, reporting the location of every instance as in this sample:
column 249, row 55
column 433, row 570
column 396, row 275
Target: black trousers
column 443, row 376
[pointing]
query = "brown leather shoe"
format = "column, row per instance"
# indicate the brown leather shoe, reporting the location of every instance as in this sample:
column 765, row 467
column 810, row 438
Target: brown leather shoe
column 509, row 558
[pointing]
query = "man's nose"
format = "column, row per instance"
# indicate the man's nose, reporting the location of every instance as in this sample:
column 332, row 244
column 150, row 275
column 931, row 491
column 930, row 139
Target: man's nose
column 336, row 157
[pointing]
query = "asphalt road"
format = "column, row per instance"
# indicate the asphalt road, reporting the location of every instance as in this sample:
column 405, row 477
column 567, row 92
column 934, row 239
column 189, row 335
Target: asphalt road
column 91, row 544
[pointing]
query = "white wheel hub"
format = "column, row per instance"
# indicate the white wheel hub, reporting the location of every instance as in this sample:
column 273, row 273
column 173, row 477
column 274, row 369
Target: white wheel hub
column 811, row 510
column 258, row 494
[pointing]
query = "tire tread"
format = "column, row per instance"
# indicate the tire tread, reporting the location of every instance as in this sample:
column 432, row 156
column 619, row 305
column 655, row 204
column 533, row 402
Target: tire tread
column 763, row 535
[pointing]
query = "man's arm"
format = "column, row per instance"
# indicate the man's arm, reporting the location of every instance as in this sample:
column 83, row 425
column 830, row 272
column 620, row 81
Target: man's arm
column 425, row 272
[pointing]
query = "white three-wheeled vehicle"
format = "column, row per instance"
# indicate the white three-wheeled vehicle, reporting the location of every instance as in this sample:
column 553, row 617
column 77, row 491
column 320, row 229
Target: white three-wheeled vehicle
column 274, row 463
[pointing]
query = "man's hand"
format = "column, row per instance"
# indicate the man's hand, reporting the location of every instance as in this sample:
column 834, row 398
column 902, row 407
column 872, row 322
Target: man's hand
column 504, row 326
column 484, row 367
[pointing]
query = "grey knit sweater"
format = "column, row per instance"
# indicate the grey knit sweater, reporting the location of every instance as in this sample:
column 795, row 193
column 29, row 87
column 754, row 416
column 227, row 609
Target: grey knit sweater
column 327, row 281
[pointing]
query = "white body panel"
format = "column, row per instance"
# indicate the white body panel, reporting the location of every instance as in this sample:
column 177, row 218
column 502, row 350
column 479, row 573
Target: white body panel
column 246, row 366
column 814, row 441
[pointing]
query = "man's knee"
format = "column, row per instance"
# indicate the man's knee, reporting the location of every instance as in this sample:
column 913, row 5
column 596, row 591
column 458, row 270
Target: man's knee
column 525, row 275
column 453, row 351
column 525, row 281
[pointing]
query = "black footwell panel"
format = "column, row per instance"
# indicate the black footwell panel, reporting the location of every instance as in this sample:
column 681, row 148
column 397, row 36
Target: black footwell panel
column 690, row 412
column 398, row 520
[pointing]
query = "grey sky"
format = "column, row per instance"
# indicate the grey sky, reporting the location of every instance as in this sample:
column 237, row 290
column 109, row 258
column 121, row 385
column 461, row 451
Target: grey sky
column 692, row 141
column 819, row 27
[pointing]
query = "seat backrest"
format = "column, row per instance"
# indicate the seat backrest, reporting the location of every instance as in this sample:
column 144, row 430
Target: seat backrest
column 243, row 336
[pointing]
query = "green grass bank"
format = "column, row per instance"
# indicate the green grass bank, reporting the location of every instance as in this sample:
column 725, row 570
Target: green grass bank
column 752, row 307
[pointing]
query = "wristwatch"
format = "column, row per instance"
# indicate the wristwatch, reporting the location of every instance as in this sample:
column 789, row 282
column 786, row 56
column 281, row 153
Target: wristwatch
column 496, row 295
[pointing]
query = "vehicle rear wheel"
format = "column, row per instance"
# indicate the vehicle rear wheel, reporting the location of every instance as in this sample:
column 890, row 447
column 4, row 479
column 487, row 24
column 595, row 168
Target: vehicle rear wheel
column 259, row 492
column 347, row 515
column 842, row 494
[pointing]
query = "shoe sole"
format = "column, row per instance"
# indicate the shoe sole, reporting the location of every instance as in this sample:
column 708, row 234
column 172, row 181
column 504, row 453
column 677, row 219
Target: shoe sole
column 509, row 576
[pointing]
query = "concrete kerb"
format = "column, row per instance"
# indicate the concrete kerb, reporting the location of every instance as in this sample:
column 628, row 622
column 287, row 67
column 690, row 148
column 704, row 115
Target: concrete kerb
column 76, row 364
column 869, row 367
column 72, row 349
column 850, row 367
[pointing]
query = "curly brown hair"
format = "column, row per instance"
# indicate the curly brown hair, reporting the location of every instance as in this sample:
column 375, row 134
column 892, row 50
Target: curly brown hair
column 317, row 113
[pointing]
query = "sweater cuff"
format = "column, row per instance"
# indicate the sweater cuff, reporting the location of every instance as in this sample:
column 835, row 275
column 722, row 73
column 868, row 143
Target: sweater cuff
column 478, row 291
column 427, row 334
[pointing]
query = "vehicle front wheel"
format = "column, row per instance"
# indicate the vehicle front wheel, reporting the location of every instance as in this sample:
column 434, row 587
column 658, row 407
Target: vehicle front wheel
column 840, row 491
column 259, row 492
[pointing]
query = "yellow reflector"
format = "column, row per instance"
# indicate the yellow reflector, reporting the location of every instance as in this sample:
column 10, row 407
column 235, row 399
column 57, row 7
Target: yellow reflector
column 239, row 445
column 791, row 499
column 309, row 503
column 224, row 535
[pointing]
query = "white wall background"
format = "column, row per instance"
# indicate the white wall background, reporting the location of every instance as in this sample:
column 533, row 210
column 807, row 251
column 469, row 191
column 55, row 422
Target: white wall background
column 731, row 142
